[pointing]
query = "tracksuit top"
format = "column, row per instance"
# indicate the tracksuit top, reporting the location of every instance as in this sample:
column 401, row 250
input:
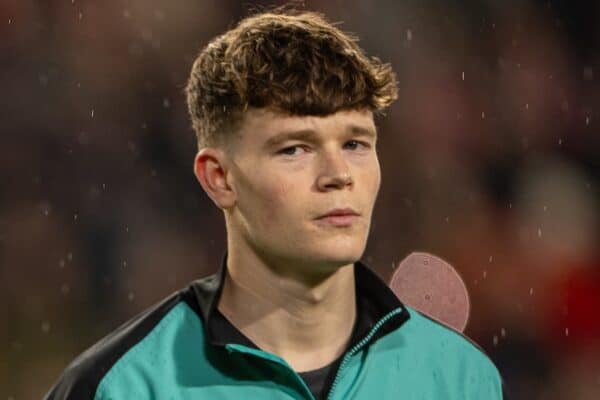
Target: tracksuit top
column 179, row 349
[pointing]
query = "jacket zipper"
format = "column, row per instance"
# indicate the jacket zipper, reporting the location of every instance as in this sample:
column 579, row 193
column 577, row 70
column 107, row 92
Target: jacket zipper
column 361, row 344
column 272, row 358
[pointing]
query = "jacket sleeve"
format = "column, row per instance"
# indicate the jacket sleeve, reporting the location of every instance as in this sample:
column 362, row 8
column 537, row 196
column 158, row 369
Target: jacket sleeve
column 71, row 387
column 486, row 383
column 80, row 380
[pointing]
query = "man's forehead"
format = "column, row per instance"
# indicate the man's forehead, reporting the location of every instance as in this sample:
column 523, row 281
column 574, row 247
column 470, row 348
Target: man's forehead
column 265, row 123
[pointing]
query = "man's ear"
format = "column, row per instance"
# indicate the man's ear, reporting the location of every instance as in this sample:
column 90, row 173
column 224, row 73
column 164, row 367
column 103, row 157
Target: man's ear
column 209, row 168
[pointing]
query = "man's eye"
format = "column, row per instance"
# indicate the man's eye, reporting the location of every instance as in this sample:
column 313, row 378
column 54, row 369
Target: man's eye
column 291, row 151
column 365, row 145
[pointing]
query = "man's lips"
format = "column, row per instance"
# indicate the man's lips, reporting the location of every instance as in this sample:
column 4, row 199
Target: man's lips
column 340, row 212
column 338, row 220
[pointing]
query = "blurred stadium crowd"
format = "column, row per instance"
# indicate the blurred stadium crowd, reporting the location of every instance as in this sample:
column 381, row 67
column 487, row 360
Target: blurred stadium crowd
column 490, row 160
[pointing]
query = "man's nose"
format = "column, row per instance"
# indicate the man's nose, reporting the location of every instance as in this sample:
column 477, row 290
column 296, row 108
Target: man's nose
column 334, row 172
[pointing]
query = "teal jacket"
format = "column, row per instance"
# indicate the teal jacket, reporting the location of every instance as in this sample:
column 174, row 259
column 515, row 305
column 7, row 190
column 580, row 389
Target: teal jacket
column 173, row 351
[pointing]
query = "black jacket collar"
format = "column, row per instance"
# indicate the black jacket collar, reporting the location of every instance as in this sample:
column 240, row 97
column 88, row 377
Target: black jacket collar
column 374, row 299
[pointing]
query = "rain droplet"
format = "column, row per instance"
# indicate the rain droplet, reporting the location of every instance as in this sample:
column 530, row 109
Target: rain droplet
column 587, row 120
column 45, row 326
column 539, row 232
column 126, row 13
column 503, row 332
column 545, row 208
column 491, row 258
column 527, row 106
column 92, row 113
column 447, row 219
column 75, row 217
column 166, row 103
column 130, row 296
column 484, row 274
column 408, row 34
column 62, row 263
column 463, row 75
column 124, row 263
column 566, row 331
column 495, row 340
column 483, row 115
column 70, row 256
column 531, row 291
column 560, row 142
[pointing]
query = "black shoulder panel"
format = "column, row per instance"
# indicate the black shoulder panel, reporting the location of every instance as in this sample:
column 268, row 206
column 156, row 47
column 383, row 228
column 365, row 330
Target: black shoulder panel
column 81, row 378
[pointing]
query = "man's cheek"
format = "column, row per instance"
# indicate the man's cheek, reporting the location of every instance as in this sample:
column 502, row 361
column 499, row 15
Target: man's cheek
column 281, row 194
column 374, row 179
column 276, row 203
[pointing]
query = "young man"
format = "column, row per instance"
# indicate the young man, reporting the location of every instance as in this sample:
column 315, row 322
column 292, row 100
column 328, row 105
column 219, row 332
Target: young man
column 283, row 108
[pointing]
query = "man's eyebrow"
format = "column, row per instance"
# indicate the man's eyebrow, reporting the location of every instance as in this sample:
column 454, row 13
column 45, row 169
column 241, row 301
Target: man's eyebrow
column 311, row 135
column 360, row 130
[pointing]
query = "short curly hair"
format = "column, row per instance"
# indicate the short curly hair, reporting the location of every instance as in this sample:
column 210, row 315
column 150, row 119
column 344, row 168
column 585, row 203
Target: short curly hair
column 293, row 62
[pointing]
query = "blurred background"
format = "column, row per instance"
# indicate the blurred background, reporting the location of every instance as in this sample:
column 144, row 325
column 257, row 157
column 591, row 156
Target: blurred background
column 490, row 160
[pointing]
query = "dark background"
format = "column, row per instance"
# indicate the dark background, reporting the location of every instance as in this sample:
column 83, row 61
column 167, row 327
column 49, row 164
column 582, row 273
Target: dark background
column 490, row 159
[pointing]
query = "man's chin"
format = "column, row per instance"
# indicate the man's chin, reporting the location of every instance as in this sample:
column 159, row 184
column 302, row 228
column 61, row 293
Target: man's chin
column 337, row 257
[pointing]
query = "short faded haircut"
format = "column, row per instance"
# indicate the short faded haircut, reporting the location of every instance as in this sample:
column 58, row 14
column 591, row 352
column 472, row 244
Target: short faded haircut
column 292, row 62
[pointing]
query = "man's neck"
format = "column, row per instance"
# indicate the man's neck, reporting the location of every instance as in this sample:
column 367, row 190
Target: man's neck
column 309, row 326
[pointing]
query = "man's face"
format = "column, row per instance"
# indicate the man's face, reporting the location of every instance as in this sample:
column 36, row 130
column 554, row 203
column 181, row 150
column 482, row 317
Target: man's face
column 287, row 171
